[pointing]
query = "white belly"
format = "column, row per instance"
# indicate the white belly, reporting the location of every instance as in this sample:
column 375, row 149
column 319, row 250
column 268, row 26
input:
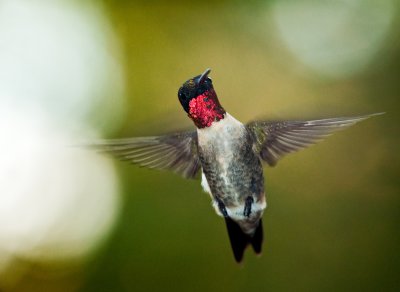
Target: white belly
column 204, row 184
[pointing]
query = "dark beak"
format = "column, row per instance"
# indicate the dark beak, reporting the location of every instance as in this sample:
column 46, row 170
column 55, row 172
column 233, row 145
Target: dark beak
column 204, row 76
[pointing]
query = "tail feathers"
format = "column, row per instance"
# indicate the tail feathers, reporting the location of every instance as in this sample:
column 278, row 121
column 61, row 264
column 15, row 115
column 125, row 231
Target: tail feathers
column 240, row 240
column 257, row 239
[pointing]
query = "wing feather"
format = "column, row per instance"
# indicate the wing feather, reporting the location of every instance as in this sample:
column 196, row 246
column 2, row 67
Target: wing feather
column 177, row 152
column 275, row 139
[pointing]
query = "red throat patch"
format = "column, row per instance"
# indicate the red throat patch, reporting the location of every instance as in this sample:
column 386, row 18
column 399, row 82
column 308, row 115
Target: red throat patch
column 205, row 109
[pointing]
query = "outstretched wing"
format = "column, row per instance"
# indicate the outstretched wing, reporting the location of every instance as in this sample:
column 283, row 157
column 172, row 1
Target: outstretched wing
column 274, row 140
column 177, row 152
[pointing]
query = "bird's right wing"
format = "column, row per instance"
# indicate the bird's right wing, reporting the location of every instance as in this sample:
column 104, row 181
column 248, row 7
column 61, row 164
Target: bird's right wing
column 177, row 152
column 274, row 140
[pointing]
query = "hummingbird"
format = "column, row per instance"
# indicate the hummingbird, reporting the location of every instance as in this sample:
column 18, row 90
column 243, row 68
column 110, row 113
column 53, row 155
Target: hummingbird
column 229, row 155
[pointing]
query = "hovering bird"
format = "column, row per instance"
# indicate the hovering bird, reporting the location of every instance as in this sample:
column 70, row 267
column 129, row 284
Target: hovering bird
column 229, row 155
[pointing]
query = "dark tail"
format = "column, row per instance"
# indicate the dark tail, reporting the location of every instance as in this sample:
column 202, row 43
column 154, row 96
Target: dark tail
column 240, row 240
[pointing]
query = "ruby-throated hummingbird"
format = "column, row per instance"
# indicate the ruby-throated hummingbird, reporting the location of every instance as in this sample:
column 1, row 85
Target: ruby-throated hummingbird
column 229, row 155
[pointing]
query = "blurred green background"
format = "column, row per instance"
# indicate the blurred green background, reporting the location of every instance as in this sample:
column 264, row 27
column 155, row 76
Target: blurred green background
column 332, row 222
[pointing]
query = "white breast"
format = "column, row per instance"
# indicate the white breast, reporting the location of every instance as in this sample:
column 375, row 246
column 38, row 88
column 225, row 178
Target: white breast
column 228, row 122
column 221, row 134
column 221, row 138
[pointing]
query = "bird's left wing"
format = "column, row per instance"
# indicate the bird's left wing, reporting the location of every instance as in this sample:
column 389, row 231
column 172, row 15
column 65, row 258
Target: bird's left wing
column 273, row 140
column 177, row 152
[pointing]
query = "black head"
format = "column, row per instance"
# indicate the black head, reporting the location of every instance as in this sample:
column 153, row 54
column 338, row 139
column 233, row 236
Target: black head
column 193, row 88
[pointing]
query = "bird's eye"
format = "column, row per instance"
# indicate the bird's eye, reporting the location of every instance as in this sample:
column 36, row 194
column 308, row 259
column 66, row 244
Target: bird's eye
column 182, row 96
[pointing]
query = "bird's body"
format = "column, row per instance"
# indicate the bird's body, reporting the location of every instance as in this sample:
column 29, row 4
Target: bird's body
column 228, row 153
column 232, row 174
column 232, row 171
